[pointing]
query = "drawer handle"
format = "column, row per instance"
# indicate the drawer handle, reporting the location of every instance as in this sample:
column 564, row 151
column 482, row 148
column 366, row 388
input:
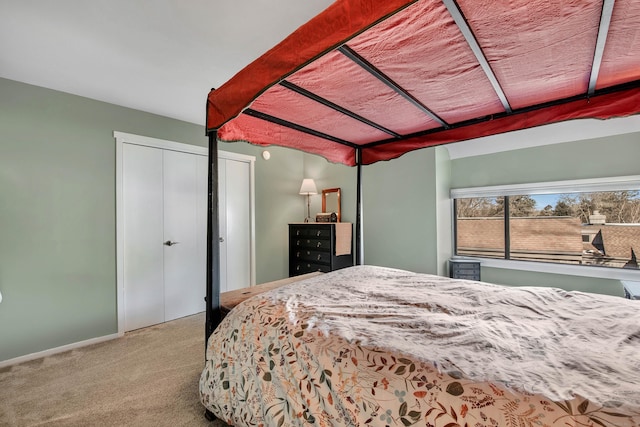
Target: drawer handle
column 297, row 242
column 318, row 233
column 308, row 252
column 298, row 254
column 297, row 232
column 318, row 244
column 297, row 268
column 319, row 257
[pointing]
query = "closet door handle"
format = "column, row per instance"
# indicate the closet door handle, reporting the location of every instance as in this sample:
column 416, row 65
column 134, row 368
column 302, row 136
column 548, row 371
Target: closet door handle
column 170, row 243
column 221, row 239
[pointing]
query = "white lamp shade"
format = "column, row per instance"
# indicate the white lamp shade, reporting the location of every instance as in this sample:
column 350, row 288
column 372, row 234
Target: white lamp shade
column 308, row 187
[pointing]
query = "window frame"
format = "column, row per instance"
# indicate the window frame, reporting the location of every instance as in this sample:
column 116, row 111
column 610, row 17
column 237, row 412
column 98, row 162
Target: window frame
column 619, row 183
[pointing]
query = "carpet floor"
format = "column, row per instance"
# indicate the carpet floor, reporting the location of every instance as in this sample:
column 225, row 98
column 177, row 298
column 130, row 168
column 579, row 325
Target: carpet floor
column 149, row 377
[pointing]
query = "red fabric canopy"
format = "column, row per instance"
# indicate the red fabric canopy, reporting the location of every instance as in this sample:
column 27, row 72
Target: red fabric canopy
column 387, row 77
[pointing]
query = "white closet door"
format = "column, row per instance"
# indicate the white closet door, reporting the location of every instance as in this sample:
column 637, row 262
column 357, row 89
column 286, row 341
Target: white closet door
column 163, row 197
column 238, row 225
column 143, row 233
column 222, row 214
column 184, row 283
column 202, row 214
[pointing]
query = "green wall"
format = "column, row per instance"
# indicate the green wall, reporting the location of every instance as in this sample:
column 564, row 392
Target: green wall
column 57, row 212
column 277, row 204
column 400, row 200
column 399, row 212
column 570, row 283
column 57, row 207
column 595, row 158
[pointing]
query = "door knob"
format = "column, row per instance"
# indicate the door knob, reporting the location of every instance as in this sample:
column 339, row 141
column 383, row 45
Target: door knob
column 170, row 243
column 221, row 239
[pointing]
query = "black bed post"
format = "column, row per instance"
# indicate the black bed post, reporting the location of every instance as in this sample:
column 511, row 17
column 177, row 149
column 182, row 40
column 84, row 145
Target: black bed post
column 213, row 246
column 359, row 242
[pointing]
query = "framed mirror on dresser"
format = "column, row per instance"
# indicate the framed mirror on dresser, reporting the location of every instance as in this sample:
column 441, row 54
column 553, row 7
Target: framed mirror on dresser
column 331, row 201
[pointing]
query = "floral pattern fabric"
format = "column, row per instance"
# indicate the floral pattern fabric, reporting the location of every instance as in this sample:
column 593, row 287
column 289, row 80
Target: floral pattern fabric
column 373, row 346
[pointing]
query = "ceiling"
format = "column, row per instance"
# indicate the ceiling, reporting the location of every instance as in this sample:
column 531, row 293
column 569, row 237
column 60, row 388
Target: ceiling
column 160, row 56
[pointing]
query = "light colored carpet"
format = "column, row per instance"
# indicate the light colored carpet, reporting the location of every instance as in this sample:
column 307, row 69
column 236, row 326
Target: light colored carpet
column 147, row 378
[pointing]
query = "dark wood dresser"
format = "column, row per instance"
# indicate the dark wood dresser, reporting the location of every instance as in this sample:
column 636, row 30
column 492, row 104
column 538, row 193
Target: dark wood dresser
column 317, row 246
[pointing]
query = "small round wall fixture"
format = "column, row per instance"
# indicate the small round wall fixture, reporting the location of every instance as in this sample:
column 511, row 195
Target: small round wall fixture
column 266, row 155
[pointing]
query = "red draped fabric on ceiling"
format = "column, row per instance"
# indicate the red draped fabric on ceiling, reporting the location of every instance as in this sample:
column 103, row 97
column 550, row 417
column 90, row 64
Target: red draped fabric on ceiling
column 408, row 76
column 337, row 23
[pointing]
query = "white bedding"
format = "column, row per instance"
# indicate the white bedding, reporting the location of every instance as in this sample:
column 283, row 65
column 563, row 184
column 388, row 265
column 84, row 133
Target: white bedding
column 543, row 348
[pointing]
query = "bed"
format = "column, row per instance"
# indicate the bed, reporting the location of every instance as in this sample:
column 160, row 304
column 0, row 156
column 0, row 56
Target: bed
column 370, row 345
column 368, row 81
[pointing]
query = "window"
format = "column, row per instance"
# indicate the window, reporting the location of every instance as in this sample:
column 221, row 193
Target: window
column 480, row 227
column 586, row 223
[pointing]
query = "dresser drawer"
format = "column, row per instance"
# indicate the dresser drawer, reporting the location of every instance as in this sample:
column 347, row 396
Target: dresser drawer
column 469, row 270
column 313, row 244
column 318, row 233
column 310, row 267
column 313, row 256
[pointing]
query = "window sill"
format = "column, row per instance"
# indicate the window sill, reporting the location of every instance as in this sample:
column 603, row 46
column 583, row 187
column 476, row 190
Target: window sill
column 565, row 269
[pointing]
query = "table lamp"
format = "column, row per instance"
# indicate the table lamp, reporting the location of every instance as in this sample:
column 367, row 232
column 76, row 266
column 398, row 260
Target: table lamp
column 308, row 188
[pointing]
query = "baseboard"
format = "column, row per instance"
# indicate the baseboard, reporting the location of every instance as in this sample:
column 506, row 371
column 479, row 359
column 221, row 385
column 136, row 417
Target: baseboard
column 52, row 351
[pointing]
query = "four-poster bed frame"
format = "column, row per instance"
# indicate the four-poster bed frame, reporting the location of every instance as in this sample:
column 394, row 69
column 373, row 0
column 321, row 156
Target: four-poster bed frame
column 450, row 70
column 367, row 81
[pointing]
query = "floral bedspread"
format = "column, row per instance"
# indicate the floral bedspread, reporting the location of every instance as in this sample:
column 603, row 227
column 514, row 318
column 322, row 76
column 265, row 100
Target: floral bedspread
column 373, row 346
